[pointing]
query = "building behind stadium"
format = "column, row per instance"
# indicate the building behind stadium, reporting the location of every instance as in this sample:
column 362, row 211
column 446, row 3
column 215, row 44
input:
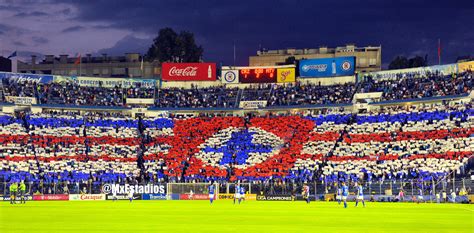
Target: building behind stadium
column 367, row 58
column 129, row 65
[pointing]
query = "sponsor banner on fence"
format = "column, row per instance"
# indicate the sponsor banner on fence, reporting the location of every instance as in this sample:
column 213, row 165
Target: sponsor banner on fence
column 230, row 196
column 140, row 101
column 87, row 197
column 274, row 198
column 226, row 196
column 194, row 197
column 37, row 78
column 51, row 197
column 286, row 75
column 253, row 104
column 21, row 100
column 327, row 67
column 230, row 76
column 188, row 71
column 174, row 196
column 154, row 197
column 110, row 197
column 465, row 66
column 7, row 198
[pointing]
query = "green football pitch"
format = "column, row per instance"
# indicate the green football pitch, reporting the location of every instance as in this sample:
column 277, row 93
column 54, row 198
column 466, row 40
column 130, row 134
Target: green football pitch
column 223, row 216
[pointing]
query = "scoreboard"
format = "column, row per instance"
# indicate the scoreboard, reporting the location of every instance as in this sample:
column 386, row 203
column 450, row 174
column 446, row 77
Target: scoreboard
column 258, row 75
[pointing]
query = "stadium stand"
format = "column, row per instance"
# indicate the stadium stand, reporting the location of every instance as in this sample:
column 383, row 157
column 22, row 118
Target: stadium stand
column 415, row 86
column 395, row 142
column 418, row 142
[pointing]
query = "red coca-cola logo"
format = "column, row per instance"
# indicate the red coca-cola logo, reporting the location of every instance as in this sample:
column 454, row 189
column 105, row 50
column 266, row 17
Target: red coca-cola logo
column 186, row 72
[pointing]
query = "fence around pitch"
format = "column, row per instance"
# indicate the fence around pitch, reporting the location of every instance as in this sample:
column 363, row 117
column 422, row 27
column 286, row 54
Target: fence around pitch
column 410, row 187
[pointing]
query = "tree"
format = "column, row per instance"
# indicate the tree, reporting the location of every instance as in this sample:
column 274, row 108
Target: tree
column 169, row 46
column 400, row 62
column 417, row 61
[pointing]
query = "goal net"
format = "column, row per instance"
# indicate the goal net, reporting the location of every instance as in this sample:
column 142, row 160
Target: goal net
column 190, row 191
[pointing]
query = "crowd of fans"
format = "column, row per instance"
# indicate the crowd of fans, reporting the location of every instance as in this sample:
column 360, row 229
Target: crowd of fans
column 295, row 94
column 404, row 86
column 393, row 143
column 210, row 97
column 311, row 94
column 412, row 86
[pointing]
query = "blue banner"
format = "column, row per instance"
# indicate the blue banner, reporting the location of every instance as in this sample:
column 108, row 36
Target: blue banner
column 327, row 67
column 16, row 77
column 154, row 197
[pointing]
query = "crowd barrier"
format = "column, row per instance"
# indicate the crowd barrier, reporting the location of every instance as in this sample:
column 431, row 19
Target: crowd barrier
column 248, row 197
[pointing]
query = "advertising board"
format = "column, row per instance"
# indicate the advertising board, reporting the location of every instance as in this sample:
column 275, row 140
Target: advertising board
column 87, row 197
column 327, row 67
column 188, row 71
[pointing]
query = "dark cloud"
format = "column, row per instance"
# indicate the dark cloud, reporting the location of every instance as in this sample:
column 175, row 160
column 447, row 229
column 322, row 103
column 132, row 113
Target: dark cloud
column 128, row 44
column 39, row 40
column 73, row 29
column 65, row 11
column 9, row 8
column 31, row 14
column 400, row 26
column 19, row 43
column 5, row 28
column 12, row 30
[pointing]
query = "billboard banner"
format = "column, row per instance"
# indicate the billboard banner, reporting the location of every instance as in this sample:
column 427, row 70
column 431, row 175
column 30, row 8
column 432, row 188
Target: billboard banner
column 274, row 198
column 413, row 72
column 105, row 82
column 194, row 197
column 87, row 197
column 230, row 196
column 465, row 66
column 154, row 197
column 119, row 197
column 64, row 79
column 255, row 104
column 21, row 100
column 230, row 76
column 37, row 78
column 442, row 69
column 140, row 101
column 258, row 75
column 7, row 198
column 114, row 82
column 188, row 71
column 327, row 67
column 286, row 75
column 51, row 197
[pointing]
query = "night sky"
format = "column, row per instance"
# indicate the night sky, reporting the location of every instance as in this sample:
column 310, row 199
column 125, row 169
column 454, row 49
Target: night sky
column 402, row 27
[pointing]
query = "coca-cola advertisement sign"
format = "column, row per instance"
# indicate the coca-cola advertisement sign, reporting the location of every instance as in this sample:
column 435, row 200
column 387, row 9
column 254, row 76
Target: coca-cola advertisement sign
column 188, row 71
